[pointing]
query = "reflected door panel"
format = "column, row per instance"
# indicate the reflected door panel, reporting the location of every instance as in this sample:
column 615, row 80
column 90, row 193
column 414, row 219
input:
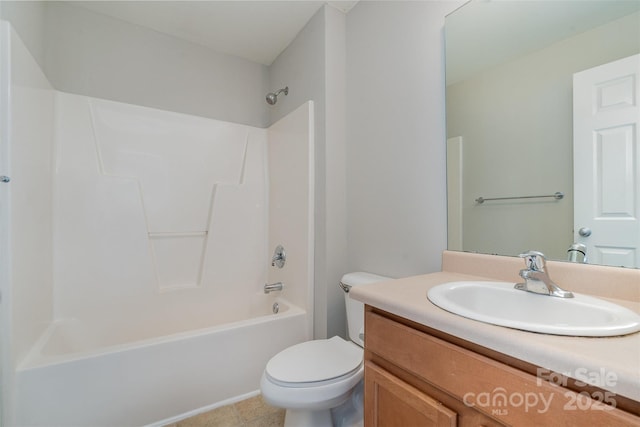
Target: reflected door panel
column 607, row 162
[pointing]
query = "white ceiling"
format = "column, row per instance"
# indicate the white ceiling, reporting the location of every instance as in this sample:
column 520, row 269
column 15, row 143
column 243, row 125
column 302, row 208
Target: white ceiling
column 255, row 30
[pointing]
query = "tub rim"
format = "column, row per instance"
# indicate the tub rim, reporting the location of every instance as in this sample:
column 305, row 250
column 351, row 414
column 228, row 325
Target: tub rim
column 35, row 359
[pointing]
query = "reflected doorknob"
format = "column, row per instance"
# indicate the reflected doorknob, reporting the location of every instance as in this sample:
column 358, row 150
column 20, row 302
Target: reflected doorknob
column 584, row 232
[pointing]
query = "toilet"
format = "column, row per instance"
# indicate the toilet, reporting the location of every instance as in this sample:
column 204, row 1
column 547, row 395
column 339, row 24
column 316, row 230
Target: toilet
column 319, row 382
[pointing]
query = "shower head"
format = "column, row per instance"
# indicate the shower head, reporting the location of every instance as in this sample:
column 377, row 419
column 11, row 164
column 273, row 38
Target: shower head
column 272, row 98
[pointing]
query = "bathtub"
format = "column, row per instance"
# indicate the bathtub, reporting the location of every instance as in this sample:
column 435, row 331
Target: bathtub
column 98, row 375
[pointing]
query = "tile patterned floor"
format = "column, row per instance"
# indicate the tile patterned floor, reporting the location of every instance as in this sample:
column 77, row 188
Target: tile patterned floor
column 253, row 412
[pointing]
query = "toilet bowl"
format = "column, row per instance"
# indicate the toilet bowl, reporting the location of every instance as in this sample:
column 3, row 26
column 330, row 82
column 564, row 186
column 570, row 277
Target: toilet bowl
column 315, row 378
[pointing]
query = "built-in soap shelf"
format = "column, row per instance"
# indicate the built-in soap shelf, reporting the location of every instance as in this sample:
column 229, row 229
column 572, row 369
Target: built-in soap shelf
column 178, row 258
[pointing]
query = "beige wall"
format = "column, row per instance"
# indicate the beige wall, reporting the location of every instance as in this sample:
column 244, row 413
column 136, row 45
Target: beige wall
column 396, row 195
column 91, row 54
column 28, row 21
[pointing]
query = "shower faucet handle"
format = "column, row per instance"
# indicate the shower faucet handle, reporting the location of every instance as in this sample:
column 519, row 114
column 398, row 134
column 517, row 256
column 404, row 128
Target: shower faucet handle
column 279, row 257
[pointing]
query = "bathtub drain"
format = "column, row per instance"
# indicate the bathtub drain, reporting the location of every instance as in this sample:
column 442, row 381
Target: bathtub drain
column 276, row 308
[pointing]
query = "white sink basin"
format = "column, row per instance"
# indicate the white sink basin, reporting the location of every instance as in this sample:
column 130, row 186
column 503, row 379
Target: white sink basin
column 499, row 303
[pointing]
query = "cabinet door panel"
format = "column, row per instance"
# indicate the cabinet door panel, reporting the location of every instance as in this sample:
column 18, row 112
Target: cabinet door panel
column 391, row 402
column 488, row 386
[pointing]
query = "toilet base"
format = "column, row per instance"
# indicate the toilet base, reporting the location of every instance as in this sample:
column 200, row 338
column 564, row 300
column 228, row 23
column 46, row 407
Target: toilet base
column 351, row 412
column 301, row 418
column 348, row 414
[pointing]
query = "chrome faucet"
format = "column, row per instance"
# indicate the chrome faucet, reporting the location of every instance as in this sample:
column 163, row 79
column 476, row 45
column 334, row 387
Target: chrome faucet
column 577, row 252
column 536, row 278
column 273, row 287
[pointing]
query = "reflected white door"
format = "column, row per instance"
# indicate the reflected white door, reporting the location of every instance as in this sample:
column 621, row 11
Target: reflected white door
column 606, row 157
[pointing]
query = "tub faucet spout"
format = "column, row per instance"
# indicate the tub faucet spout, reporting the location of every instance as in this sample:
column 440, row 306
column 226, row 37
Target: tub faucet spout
column 273, row 287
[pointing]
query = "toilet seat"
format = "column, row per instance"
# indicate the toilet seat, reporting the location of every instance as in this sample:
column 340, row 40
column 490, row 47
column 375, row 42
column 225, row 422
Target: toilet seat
column 315, row 363
column 313, row 376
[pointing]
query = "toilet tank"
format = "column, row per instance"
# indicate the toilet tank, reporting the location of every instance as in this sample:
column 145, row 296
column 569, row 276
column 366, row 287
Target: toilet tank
column 355, row 309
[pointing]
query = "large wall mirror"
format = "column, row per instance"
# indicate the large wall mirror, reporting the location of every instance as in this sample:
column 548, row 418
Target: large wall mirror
column 542, row 100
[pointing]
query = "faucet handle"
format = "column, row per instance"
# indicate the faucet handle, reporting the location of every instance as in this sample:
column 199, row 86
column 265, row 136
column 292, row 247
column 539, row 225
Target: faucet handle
column 279, row 257
column 534, row 260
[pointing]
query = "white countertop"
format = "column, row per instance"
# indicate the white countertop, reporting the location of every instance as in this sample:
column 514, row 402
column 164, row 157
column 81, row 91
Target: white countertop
column 611, row 363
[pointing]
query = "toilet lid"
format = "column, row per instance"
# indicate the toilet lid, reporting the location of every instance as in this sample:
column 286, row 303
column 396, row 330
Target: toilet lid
column 313, row 361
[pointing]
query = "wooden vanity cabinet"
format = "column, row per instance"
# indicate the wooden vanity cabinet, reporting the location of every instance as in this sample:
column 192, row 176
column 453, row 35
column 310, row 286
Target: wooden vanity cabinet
column 415, row 378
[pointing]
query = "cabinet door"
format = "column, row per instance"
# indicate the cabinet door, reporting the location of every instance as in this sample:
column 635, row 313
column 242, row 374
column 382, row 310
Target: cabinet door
column 389, row 402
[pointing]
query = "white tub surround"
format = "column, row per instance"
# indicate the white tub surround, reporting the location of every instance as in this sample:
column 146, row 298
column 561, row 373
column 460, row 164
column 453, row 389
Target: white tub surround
column 140, row 241
column 162, row 236
column 291, row 202
column 26, row 264
column 572, row 356
column 162, row 232
column 177, row 204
